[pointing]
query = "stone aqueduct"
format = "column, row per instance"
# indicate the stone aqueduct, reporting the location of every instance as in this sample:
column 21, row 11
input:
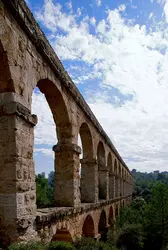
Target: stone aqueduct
column 84, row 207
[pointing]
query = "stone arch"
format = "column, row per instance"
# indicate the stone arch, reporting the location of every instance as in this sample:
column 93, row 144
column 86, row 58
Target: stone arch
column 58, row 108
column 65, row 149
column 88, row 227
column 87, row 142
column 102, row 171
column 102, row 227
column 62, row 235
column 87, row 182
column 6, row 83
column 111, row 217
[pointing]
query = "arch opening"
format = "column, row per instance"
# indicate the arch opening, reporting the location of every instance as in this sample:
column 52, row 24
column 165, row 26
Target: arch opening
column 58, row 108
column 53, row 128
column 109, row 164
column 102, row 171
column 62, row 235
column 116, row 178
column 111, row 177
column 44, row 139
column 87, row 171
column 102, row 228
column 115, row 167
column 116, row 211
column 120, row 180
column 111, row 217
column 101, row 154
column 88, row 227
column 86, row 140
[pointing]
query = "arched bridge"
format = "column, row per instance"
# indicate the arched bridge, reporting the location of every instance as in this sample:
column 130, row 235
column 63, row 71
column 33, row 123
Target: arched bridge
column 85, row 205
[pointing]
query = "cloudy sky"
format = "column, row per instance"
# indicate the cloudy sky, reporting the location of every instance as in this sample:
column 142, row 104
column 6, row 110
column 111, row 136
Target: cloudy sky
column 117, row 54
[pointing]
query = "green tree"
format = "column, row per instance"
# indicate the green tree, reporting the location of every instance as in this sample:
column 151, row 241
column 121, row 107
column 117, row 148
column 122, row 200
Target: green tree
column 130, row 238
column 132, row 214
column 155, row 222
column 44, row 192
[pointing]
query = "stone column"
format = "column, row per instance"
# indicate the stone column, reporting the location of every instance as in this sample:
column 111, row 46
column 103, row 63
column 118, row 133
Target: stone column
column 67, row 179
column 103, row 181
column 111, row 186
column 107, row 184
column 17, row 175
column 89, row 180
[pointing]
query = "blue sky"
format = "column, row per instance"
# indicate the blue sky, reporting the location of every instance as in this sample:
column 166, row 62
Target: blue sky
column 117, row 54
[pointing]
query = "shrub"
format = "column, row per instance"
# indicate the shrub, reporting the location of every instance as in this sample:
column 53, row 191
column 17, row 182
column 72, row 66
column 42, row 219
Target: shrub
column 91, row 244
column 111, row 237
column 59, row 245
column 27, row 246
column 130, row 238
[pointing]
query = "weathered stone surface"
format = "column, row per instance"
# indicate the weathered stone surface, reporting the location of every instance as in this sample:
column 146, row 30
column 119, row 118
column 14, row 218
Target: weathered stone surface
column 26, row 61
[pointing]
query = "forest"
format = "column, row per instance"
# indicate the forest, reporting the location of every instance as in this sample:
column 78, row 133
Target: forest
column 141, row 226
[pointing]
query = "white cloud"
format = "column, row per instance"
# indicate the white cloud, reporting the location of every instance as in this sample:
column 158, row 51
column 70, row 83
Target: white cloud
column 122, row 7
column 164, row 3
column 151, row 15
column 98, row 2
column 166, row 11
column 128, row 58
column 93, row 21
column 69, row 5
column 45, row 151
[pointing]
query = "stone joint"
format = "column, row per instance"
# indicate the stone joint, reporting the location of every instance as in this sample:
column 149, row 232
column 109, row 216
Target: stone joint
column 102, row 167
column 66, row 147
column 88, row 161
column 15, row 108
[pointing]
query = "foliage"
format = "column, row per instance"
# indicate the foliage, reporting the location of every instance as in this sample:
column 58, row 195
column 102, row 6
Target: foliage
column 132, row 214
column 60, row 246
column 27, row 246
column 145, row 182
column 130, row 238
column 44, row 192
column 156, row 218
column 111, row 237
column 91, row 244
column 148, row 211
column 51, row 179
